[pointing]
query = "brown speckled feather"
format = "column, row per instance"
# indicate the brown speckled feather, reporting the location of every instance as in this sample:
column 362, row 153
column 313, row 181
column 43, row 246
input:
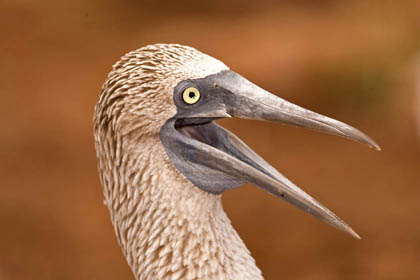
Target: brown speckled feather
column 167, row 227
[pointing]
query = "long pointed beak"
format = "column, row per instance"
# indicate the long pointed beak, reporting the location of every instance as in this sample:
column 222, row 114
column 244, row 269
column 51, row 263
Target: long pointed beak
column 215, row 160
column 252, row 102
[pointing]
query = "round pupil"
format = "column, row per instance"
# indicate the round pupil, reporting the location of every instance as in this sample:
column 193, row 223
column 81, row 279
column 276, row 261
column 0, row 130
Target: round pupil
column 191, row 94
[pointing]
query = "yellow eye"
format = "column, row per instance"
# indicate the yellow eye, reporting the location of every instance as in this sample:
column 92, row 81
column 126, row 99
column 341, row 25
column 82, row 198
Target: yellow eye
column 191, row 95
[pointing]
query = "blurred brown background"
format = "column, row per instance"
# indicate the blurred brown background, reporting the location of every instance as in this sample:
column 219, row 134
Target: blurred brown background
column 357, row 61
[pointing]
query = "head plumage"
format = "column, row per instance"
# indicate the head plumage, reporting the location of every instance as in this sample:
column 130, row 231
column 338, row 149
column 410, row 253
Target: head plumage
column 142, row 81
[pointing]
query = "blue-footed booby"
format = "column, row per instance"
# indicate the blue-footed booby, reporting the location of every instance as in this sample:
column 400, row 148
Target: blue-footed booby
column 164, row 162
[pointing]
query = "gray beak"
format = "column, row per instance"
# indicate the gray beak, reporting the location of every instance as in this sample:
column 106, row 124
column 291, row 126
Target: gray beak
column 215, row 160
column 252, row 102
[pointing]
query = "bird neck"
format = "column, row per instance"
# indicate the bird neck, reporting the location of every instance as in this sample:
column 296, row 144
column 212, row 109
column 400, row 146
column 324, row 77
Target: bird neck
column 166, row 226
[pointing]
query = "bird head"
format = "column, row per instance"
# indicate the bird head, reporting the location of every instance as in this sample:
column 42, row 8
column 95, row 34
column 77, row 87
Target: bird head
column 175, row 93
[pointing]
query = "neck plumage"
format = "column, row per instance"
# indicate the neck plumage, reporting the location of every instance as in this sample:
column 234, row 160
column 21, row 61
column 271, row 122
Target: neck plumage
column 167, row 227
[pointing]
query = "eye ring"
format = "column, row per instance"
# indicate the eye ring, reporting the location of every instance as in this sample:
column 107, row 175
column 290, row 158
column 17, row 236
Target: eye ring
column 191, row 95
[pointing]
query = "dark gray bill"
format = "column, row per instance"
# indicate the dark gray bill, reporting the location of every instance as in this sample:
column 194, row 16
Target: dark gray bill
column 215, row 160
column 252, row 102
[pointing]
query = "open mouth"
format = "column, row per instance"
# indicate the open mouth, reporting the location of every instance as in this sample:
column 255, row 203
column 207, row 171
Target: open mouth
column 198, row 129
column 204, row 130
column 215, row 160
column 207, row 132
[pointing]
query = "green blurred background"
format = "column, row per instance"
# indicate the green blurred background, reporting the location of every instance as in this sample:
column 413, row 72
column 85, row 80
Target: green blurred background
column 356, row 61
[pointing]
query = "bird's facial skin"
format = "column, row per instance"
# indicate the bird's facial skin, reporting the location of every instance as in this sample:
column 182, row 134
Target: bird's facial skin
column 215, row 160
